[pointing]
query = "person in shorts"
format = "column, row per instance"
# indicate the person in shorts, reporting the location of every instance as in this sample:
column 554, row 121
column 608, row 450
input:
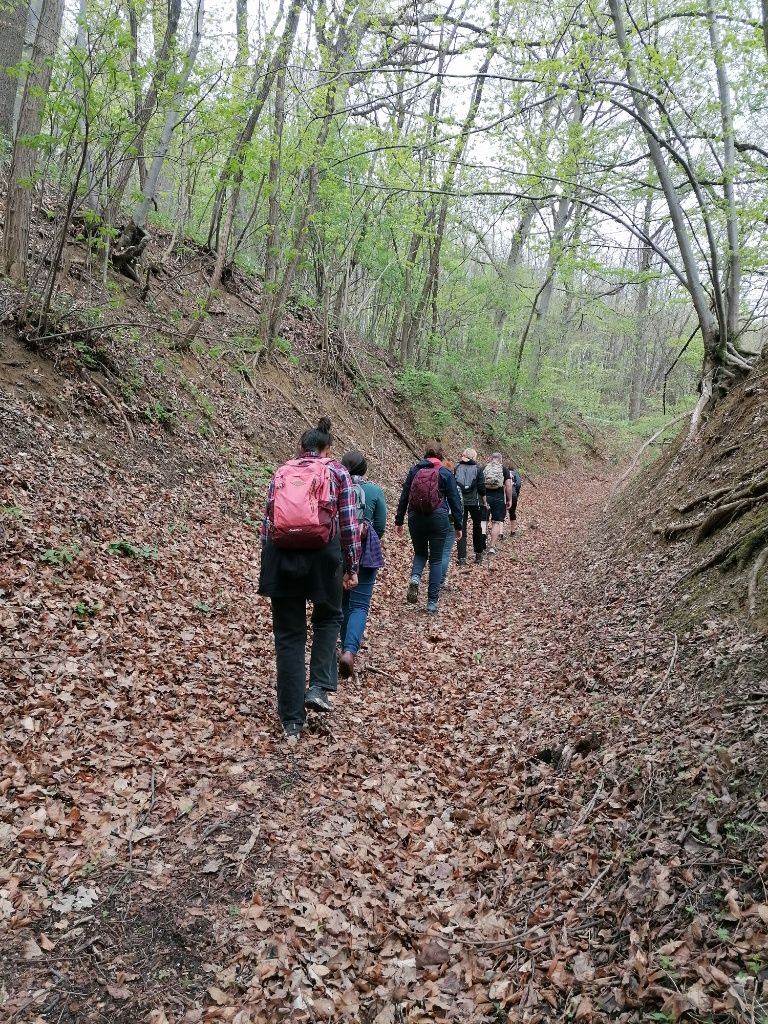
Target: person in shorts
column 517, row 483
column 498, row 495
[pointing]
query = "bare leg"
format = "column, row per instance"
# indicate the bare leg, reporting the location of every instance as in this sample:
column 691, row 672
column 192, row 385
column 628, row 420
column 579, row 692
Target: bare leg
column 494, row 532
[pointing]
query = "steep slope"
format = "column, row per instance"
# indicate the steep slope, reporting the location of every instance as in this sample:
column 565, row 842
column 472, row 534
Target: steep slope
column 703, row 506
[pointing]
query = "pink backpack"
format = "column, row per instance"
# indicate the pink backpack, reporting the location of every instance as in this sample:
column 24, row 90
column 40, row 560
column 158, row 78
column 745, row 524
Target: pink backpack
column 303, row 513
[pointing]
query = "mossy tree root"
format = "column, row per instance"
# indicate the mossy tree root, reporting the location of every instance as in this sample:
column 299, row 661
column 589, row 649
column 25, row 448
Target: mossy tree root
column 739, row 500
column 725, row 514
column 757, row 567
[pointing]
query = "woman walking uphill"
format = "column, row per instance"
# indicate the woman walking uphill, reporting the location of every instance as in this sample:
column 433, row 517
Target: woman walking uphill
column 428, row 495
column 310, row 552
column 357, row 603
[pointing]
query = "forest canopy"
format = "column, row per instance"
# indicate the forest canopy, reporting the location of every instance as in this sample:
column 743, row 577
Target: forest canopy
column 552, row 203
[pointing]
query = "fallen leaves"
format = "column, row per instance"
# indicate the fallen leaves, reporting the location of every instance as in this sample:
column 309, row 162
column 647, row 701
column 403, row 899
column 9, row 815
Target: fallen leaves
column 417, row 859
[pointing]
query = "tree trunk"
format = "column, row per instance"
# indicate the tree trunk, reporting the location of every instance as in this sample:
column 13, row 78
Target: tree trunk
column 241, row 30
column 514, row 255
column 449, row 179
column 164, row 66
column 173, row 117
column 351, row 27
column 643, row 296
column 714, row 347
column 732, row 282
column 30, row 34
column 261, row 85
column 264, row 79
column 18, row 209
column 13, row 24
column 272, row 241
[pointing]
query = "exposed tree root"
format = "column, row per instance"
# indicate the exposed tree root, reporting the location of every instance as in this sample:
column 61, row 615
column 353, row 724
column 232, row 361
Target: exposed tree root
column 674, row 530
column 756, row 487
column 737, row 552
column 639, row 454
column 128, row 249
column 712, row 496
column 724, row 514
column 116, row 405
column 739, row 502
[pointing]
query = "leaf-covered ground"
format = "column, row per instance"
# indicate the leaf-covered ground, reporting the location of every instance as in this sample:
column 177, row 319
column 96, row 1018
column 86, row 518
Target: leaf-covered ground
column 539, row 806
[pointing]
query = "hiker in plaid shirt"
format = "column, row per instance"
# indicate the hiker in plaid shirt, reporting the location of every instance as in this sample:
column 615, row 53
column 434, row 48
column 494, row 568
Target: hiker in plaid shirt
column 343, row 493
column 291, row 577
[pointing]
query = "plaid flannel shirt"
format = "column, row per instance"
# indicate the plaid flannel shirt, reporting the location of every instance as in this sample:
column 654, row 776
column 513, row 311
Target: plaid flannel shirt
column 343, row 493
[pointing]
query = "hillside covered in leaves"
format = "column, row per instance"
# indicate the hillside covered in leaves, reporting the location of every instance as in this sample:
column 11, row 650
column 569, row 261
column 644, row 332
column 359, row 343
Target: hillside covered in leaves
column 547, row 804
column 531, row 227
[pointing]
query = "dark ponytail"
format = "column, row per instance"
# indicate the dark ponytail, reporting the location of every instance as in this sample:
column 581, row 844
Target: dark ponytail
column 318, row 438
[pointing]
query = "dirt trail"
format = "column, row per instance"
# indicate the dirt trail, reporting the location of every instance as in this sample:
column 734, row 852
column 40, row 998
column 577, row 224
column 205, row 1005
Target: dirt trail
column 482, row 831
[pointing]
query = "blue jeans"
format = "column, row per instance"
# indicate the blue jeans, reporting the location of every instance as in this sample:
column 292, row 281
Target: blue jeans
column 428, row 538
column 450, row 540
column 356, row 604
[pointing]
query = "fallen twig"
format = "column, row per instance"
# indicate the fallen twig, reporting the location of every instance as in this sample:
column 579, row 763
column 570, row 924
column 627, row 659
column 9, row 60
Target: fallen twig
column 517, row 940
column 648, row 443
column 115, row 405
column 652, row 696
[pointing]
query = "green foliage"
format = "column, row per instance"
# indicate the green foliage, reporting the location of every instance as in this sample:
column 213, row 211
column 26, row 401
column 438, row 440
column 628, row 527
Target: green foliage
column 87, row 355
column 203, row 402
column 127, row 549
column 434, row 399
column 11, row 511
column 158, row 412
column 131, row 387
column 87, row 609
column 62, row 556
column 367, row 207
column 250, row 482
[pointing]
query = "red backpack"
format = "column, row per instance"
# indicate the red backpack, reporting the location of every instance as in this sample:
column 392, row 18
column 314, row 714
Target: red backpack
column 425, row 494
column 303, row 514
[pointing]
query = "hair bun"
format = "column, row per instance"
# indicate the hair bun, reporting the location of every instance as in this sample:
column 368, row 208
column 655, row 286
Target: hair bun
column 324, row 424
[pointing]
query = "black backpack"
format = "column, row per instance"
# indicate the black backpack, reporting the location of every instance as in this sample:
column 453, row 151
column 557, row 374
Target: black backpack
column 466, row 478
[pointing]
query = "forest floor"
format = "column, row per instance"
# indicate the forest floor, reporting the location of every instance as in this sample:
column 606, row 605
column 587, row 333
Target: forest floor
column 540, row 805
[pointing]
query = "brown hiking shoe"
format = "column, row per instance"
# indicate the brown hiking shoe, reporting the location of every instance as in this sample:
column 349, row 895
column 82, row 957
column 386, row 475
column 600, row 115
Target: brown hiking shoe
column 347, row 665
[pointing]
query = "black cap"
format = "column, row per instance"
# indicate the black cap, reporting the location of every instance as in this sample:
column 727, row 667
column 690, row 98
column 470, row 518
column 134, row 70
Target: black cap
column 355, row 462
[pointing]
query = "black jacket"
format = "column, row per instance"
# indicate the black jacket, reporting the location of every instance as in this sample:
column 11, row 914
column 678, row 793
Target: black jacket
column 479, row 482
column 448, row 488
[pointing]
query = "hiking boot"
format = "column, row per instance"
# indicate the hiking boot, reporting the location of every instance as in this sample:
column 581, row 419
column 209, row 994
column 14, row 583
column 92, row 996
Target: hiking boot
column 292, row 731
column 431, row 607
column 491, row 551
column 462, row 561
column 347, row 665
column 479, row 558
column 412, row 595
column 316, row 699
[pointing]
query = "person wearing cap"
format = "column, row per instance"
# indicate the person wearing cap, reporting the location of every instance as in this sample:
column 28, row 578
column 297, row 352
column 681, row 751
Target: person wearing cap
column 471, row 484
column 498, row 494
column 356, row 604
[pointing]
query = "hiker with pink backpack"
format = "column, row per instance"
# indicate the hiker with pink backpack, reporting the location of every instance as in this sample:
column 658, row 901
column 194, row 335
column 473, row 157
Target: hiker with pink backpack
column 429, row 494
column 310, row 552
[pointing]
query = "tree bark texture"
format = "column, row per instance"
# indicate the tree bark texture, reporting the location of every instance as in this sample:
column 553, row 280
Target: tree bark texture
column 13, row 24
column 171, row 122
column 18, row 209
column 641, row 331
